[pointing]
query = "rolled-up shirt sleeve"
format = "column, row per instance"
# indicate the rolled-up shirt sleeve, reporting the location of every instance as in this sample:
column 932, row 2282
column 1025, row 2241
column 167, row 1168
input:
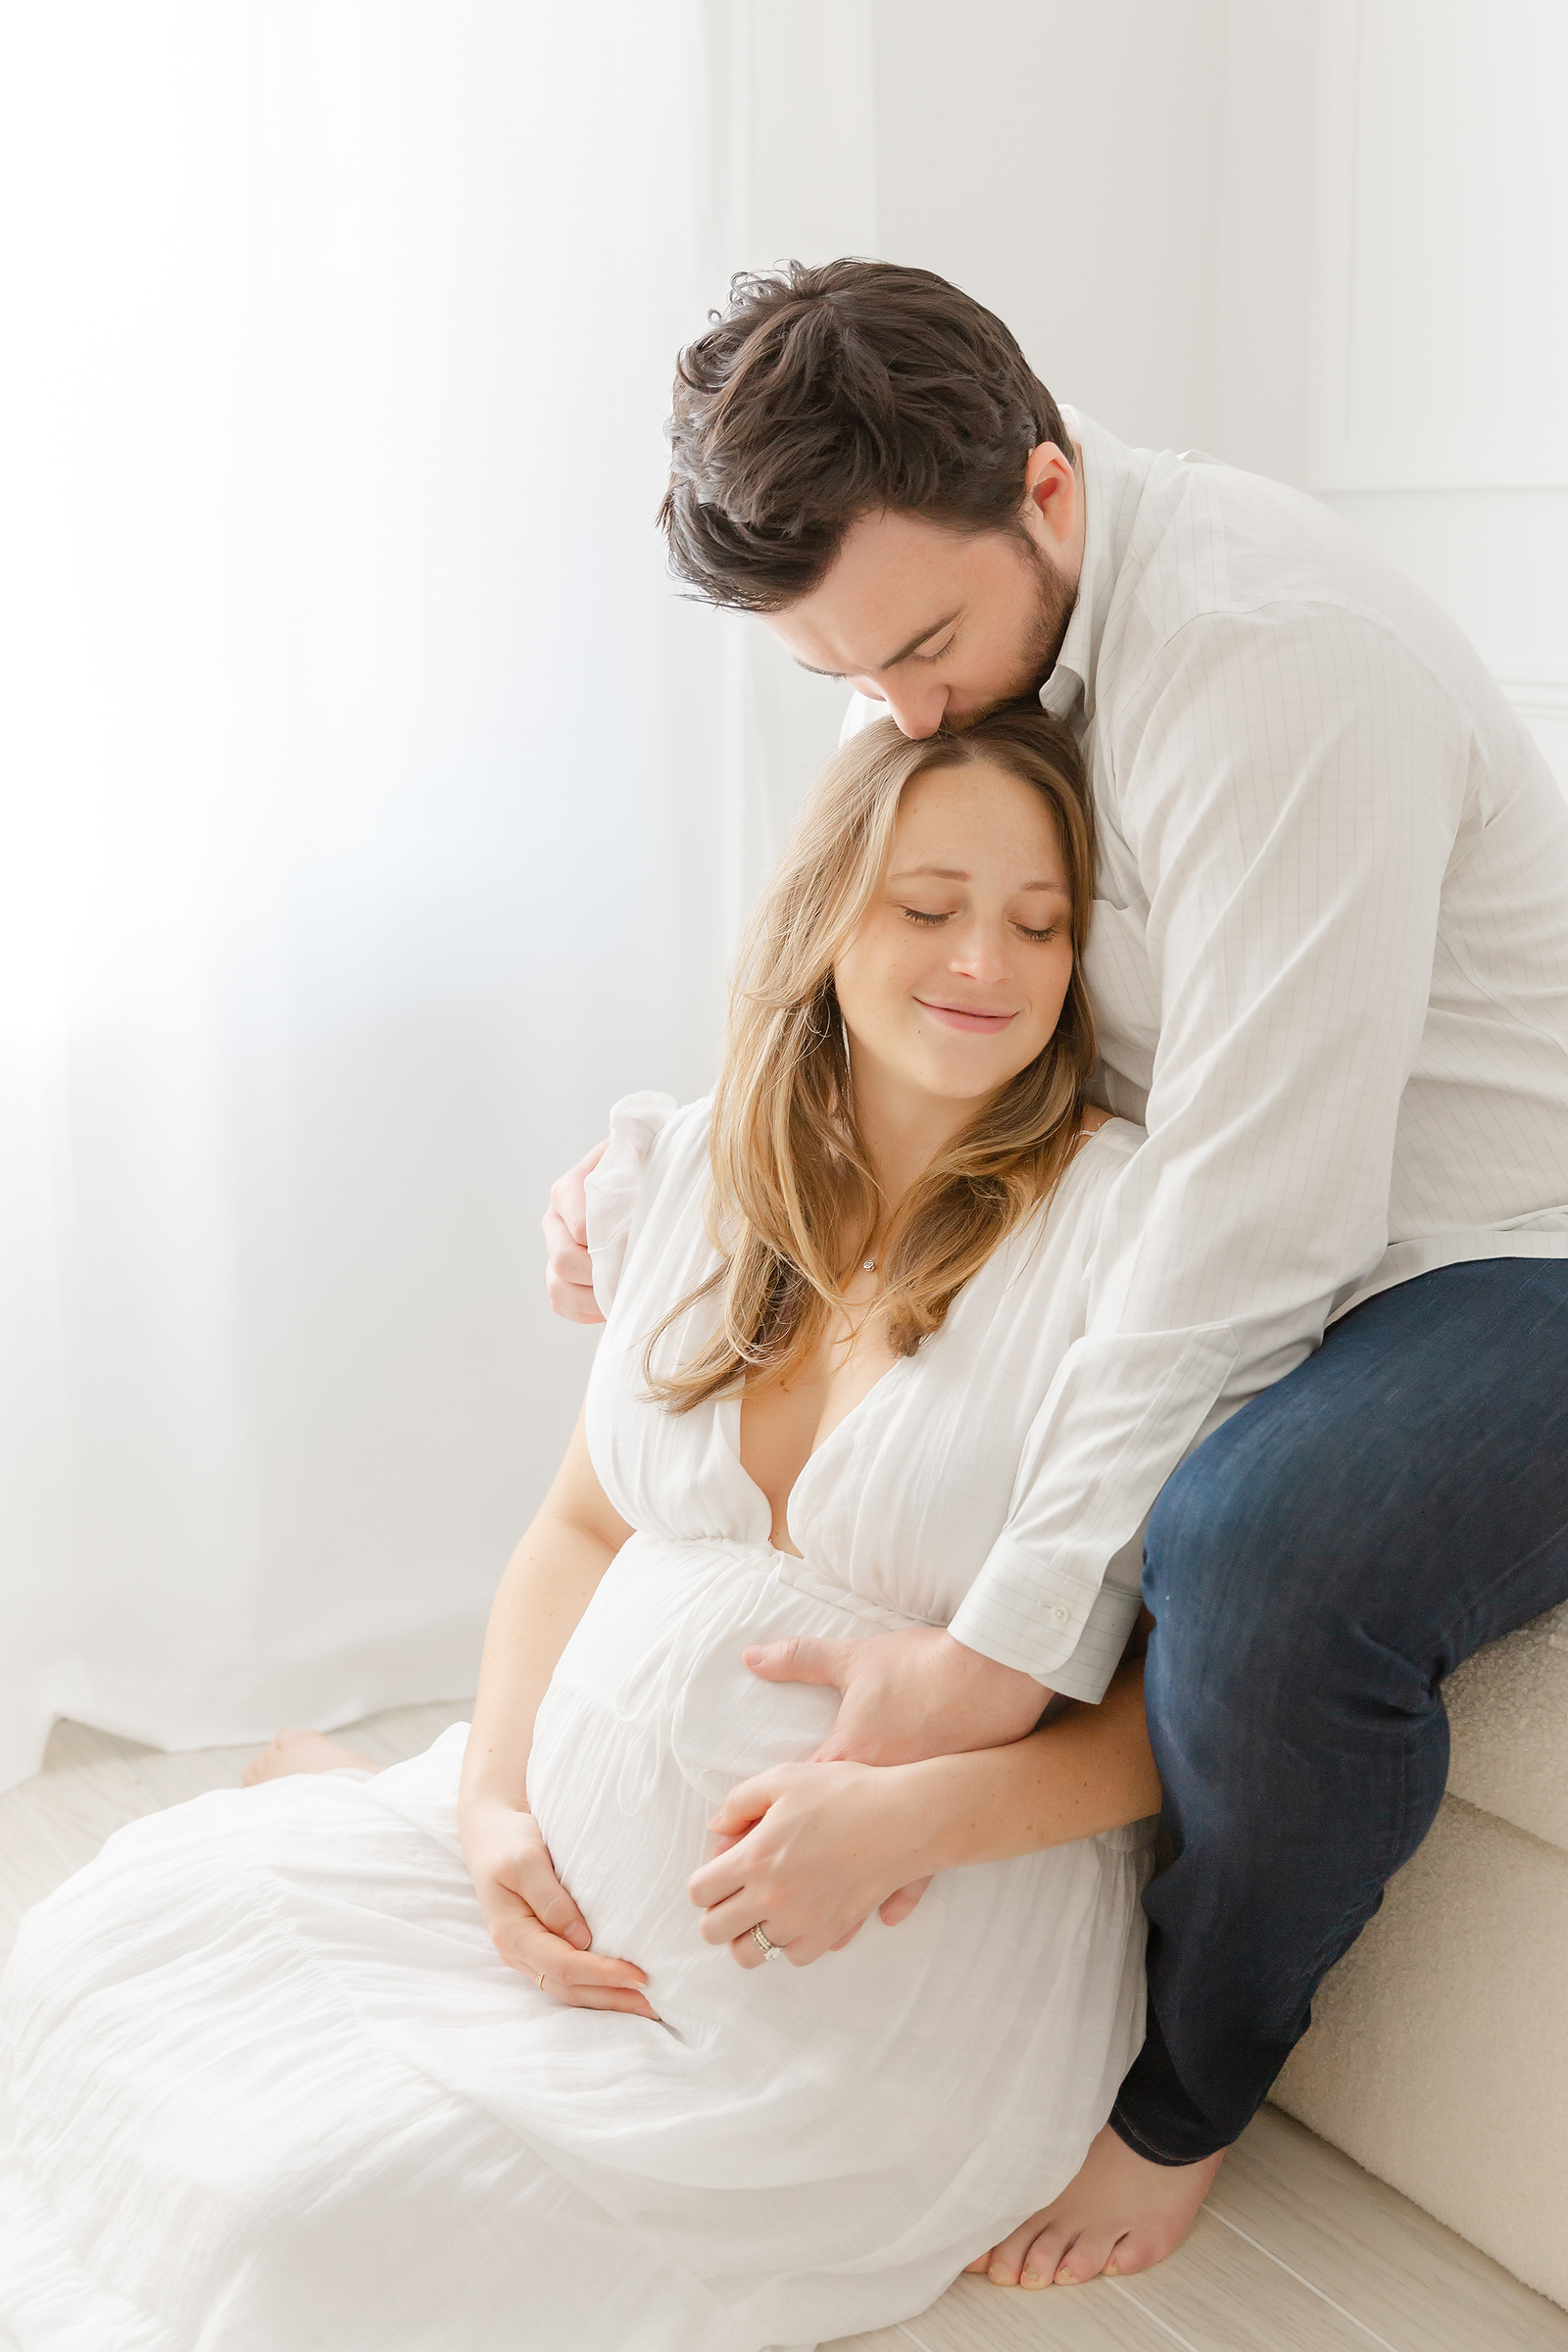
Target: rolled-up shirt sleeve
column 1291, row 783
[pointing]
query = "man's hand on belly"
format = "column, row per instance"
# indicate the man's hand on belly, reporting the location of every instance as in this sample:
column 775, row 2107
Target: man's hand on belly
column 907, row 1695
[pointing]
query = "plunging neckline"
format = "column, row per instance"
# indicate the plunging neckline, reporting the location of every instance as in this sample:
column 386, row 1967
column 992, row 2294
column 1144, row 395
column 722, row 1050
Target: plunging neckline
column 727, row 1414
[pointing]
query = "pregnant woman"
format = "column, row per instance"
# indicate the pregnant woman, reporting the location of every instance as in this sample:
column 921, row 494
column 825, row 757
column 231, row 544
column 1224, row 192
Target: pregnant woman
column 458, row 2057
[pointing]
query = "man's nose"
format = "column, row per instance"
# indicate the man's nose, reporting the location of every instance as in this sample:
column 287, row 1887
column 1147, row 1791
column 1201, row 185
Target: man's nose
column 919, row 709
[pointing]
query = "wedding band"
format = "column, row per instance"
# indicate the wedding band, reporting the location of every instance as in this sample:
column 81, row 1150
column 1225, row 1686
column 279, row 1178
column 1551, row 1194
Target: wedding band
column 770, row 1952
column 541, row 1980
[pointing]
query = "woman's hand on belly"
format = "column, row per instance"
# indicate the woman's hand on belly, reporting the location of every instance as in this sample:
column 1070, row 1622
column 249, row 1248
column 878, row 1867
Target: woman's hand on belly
column 532, row 1920
column 808, row 1852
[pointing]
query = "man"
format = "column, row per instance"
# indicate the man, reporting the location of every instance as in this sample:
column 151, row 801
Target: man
column 1326, row 1402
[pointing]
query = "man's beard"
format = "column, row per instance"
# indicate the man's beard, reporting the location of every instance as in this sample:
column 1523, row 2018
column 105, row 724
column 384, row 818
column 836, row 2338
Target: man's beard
column 1053, row 612
column 1055, row 600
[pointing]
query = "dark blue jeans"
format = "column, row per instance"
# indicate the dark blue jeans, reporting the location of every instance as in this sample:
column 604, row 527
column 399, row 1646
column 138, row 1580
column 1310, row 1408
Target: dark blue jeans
column 1315, row 1570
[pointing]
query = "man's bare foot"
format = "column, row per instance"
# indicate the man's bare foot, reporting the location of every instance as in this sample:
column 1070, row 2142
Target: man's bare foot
column 1117, row 2214
column 303, row 1752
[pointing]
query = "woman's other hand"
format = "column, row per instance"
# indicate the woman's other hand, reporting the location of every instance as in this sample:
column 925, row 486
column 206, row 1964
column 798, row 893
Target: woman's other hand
column 809, row 1851
column 569, row 1269
column 533, row 1922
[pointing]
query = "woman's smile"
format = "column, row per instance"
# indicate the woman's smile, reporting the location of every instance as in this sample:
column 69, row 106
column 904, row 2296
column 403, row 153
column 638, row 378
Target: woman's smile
column 973, row 1019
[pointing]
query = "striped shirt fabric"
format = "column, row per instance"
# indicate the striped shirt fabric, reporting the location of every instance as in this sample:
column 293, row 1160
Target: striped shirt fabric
column 1329, row 961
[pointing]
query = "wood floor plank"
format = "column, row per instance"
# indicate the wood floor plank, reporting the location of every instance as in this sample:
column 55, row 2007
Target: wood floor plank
column 1415, row 2284
column 402, row 1731
column 84, row 1806
column 973, row 2316
column 1220, row 2290
column 54, row 1823
column 886, row 2339
column 174, row 1780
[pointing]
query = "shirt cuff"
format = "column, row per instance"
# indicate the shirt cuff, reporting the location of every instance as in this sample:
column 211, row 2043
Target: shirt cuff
column 613, row 1190
column 1068, row 1632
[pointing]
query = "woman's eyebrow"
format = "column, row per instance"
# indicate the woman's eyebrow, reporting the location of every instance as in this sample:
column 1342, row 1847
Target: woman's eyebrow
column 952, row 874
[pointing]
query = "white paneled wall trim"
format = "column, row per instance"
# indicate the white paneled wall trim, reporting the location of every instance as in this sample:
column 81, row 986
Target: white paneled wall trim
column 1536, row 694
column 1540, row 698
column 1439, row 338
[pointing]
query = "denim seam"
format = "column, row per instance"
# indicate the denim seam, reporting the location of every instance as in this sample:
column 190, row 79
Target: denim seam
column 1146, row 2147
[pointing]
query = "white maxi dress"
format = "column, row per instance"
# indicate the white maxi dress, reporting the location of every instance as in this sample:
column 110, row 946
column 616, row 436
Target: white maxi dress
column 269, row 2089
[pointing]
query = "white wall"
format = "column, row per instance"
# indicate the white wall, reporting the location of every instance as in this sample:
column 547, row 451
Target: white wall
column 1064, row 165
column 1440, row 327
column 1325, row 239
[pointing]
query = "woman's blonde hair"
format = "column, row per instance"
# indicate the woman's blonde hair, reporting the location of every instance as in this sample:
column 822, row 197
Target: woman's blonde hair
column 792, row 1185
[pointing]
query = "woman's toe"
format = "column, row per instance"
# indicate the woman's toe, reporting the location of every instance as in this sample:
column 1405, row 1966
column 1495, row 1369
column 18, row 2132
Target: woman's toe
column 1033, row 2264
column 1139, row 2250
column 263, row 1765
column 300, row 1750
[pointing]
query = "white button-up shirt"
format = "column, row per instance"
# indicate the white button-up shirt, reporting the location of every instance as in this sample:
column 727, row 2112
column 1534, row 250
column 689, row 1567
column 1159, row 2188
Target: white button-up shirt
column 1329, row 962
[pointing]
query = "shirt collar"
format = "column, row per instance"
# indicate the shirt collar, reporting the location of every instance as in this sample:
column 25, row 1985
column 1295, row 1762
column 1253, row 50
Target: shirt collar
column 1113, row 479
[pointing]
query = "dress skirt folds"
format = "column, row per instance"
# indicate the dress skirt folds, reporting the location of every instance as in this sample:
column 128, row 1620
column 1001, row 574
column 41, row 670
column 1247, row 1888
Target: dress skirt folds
column 269, row 2088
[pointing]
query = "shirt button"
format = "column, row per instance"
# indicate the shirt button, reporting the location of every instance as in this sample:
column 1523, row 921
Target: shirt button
column 1060, row 1615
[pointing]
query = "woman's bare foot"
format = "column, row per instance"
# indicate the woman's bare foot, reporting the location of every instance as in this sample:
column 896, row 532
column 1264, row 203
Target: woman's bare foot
column 303, row 1752
column 1117, row 2214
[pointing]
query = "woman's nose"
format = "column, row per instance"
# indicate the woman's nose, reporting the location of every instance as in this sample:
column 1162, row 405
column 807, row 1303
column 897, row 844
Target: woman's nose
column 980, row 954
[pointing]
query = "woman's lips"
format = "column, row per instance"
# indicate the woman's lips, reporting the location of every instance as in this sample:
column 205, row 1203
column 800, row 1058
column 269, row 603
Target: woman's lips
column 969, row 1023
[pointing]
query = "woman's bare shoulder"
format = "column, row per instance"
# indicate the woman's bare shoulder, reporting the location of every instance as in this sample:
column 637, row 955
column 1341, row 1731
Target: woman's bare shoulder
column 1107, row 1142
column 1123, row 1131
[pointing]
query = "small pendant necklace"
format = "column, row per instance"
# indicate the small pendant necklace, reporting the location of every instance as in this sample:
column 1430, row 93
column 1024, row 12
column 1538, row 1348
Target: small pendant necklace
column 869, row 1265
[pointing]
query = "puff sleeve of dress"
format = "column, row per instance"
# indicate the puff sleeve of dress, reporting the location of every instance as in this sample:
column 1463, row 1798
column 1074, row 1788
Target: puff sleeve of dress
column 616, row 1185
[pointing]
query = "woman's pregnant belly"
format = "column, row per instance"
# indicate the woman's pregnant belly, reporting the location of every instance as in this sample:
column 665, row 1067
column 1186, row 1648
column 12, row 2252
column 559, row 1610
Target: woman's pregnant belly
column 652, row 1717
column 658, row 1651
column 1008, row 1981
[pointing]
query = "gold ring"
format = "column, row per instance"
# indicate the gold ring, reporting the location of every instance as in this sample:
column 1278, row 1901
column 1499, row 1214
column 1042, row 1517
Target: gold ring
column 541, row 1980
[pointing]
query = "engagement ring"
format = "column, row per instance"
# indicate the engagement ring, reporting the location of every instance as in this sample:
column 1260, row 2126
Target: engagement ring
column 770, row 1952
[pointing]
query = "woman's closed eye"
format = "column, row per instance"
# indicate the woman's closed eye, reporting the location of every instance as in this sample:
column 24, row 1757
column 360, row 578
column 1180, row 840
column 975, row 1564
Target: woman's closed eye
column 923, row 915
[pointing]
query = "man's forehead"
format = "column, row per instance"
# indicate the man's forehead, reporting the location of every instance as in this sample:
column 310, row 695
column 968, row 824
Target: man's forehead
column 896, row 580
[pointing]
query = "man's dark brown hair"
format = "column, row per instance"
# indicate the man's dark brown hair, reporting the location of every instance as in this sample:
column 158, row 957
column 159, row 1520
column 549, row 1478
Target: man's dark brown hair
column 820, row 395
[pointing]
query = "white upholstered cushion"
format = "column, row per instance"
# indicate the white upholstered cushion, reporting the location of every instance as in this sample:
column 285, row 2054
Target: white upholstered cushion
column 1508, row 1712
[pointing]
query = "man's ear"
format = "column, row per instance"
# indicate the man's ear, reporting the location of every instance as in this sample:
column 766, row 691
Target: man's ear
column 1051, row 497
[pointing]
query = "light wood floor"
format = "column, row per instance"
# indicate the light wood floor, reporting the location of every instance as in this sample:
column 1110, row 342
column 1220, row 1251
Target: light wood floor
column 1298, row 2250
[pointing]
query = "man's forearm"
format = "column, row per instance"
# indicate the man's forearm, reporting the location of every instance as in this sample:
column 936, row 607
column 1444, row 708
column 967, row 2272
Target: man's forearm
column 1089, row 1770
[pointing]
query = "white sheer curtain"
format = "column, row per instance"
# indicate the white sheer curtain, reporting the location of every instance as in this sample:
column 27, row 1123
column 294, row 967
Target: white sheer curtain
column 373, row 811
